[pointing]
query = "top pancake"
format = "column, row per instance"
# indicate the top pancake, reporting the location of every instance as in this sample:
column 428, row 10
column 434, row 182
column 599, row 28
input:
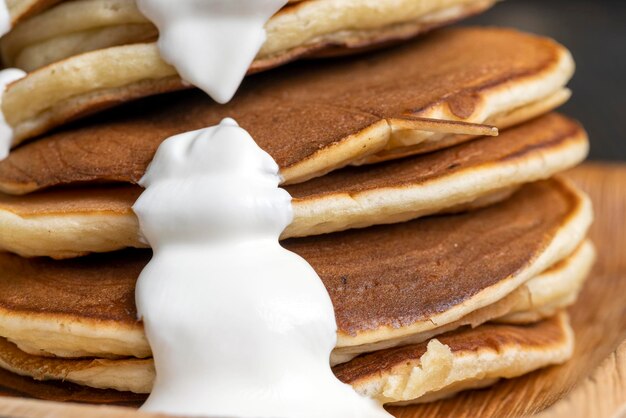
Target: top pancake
column 310, row 118
column 89, row 82
column 80, row 26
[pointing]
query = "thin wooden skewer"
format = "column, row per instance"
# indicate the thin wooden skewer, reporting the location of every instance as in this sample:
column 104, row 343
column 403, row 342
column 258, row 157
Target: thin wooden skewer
column 442, row 126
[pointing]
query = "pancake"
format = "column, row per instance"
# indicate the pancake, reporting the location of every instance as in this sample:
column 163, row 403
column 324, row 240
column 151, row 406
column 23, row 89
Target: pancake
column 16, row 386
column 554, row 289
column 539, row 298
column 329, row 116
column 72, row 222
column 466, row 358
column 387, row 283
column 20, row 10
column 86, row 25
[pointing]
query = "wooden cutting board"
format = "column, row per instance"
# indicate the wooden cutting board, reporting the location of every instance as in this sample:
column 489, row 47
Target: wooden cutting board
column 592, row 384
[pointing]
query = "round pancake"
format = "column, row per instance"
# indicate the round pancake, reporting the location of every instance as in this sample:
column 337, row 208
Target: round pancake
column 452, row 362
column 386, row 283
column 329, row 116
column 86, row 25
column 463, row 359
column 67, row 223
column 539, row 298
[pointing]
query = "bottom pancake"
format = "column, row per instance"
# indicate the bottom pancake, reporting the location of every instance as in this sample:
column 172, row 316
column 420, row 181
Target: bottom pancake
column 466, row 358
column 16, row 386
column 463, row 359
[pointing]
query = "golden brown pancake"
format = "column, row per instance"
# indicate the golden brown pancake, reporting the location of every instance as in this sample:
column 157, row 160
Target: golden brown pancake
column 466, row 358
column 319, row 117
column 459, row 360
column 539, row 298
column 71, row 222
column 304, row 29
column 419, row 276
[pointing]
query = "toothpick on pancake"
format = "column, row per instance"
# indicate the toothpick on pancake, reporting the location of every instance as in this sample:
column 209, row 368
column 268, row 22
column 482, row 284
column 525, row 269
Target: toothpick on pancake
column 406, row 122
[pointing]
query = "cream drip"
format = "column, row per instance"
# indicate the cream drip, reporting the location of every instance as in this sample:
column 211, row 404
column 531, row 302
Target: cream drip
column 6, row 131
column 239, row 326
column 5, row 18
column 211, row 43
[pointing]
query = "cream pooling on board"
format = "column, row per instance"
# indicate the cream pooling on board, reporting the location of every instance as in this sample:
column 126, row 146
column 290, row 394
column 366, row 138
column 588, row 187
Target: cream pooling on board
column 6, row 131
column 239, row 326
column 211, row 43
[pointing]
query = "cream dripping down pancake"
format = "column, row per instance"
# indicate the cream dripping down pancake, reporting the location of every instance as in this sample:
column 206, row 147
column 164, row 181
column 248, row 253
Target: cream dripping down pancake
column 212, row 211
column 344, row 111
column 67, row 222
column 463, row 359
column 305, row 29
column 490, row 256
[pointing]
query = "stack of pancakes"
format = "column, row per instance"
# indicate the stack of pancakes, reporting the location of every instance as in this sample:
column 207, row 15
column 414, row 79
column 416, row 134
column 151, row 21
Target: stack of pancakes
column 449, row 253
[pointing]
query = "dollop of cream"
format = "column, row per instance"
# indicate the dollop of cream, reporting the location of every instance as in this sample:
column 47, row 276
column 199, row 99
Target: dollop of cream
column 5, row 18
column 6, row 131
column 239, row 326
column 211, row 43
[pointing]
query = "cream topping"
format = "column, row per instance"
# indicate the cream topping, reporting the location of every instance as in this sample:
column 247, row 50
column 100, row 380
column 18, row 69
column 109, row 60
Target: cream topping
column 211, row 43
column 6, row 131
column 5, row 18
column 238, row 325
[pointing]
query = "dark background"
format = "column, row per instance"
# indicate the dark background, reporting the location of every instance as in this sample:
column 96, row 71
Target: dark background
column 595, row 32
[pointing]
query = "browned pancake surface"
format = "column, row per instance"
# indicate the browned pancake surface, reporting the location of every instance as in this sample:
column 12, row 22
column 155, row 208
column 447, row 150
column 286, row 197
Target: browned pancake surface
column 93, row 200
column 398, row 274
column 549, row 132
column 392, row 275
column 496, row 337
column 100, row 288
column 295, row 111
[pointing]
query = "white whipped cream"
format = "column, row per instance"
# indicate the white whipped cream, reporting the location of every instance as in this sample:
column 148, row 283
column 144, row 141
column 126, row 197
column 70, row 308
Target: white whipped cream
column 239, row 326
column 5, row 18
column 6, row 131
column 211, row 43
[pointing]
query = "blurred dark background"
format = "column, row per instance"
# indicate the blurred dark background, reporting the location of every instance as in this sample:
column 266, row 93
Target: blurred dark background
column 595, row 32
